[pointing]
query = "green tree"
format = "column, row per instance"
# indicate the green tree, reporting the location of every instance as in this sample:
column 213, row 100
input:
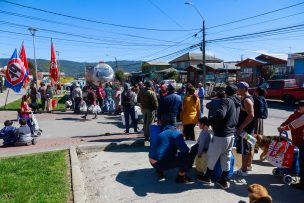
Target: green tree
column 119, row 75
column 32, row 70
column 267, row 72
column 172, row 75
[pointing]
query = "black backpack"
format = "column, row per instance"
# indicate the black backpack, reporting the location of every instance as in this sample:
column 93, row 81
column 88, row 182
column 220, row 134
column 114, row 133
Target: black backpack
column 260, row 107
column 127, row 99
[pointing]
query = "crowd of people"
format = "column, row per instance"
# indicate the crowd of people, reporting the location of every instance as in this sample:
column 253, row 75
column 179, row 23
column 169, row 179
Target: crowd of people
column 232, row 114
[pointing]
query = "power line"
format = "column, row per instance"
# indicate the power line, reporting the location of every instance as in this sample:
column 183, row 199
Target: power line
column 258, row 23
column 120, row 43
column 163, row 12
column 77, row 26
column 94, row 21
column 262, row 33
column 255, row 16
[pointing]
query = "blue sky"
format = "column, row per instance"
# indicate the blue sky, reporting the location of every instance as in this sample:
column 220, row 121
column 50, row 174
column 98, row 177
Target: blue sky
column 104, row 42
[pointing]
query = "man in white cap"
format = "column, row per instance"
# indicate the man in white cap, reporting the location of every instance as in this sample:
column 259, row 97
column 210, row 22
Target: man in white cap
column 77, row 97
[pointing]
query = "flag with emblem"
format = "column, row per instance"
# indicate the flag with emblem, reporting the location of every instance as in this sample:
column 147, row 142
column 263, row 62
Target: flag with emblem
column 15, row 73
column 23, row 58
column 54, row 73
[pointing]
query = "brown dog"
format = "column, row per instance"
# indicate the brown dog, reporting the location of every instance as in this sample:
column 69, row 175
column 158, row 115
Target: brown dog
column 258, row 194
column 263, row 143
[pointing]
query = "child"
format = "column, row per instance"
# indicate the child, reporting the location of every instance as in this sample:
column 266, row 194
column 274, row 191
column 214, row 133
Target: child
column 8, row 133
column 201, row 147
column 24, row 133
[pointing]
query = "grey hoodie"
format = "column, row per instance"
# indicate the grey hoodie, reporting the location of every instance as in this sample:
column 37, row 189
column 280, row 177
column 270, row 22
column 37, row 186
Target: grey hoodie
column 225, row 119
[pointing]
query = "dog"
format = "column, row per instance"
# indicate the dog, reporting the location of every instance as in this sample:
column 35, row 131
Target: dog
column 258, row 194
column 263, row 143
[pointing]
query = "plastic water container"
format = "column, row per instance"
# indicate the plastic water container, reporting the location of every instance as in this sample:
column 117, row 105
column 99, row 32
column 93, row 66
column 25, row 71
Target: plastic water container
column 248, row 137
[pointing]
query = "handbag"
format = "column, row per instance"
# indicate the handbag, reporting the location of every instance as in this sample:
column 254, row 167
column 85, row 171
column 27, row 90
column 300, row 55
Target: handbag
column 280, row 153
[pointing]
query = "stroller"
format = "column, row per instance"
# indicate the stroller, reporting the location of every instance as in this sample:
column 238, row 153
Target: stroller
column 289, row 175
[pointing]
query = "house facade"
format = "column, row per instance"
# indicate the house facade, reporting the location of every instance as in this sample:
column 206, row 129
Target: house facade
column 153, row 66
column 296, row 65
column 266, row 66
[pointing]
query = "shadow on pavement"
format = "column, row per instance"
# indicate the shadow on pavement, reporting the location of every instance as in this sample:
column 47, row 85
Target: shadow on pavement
column 111, row 140
column 102, row 135
column 72, row 119
column 280, row 105
column 261, row 163
column 141, row 185
column 118, row 124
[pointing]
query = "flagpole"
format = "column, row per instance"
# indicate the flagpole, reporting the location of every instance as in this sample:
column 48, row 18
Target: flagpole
column 6, row 98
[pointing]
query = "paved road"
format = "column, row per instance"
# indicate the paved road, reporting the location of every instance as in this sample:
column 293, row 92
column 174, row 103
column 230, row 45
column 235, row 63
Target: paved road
column 125, row 175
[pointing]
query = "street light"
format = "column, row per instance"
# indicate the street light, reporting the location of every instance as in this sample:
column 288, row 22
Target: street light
column 203, row 45
column 33, row 31
column 115, row 61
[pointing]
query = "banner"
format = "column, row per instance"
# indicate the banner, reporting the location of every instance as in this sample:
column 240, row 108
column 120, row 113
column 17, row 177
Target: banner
column 15, row 73
column 23, row 58
column 54, row 73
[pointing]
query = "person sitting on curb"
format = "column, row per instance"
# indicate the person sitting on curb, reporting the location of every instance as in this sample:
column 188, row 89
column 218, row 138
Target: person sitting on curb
column 8, row 133
column 201, row 147
column 163, row 154
column 24, row 133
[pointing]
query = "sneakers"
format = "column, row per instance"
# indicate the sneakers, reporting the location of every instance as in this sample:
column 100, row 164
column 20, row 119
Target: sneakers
column 249, row 168
column 84, row 117
column 241, row 173
column 160, row 174
column 183, row 179
column 203, row 179
column 222, row 183
column 299, row 186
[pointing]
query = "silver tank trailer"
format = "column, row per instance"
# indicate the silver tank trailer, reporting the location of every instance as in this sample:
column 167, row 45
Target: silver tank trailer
column 102, row 72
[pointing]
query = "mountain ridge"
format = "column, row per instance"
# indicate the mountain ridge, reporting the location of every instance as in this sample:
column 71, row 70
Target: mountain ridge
column 77, row 69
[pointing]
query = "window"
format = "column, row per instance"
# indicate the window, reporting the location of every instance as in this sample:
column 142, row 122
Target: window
column 247, row 70
column 275, row 85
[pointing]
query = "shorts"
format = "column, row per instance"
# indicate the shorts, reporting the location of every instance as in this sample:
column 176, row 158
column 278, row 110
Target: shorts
column 242, row 146
column 258, row 126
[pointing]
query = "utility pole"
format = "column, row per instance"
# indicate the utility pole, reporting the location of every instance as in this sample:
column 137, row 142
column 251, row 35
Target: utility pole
column 33, row 31
column 116, row 63
column 204, row 55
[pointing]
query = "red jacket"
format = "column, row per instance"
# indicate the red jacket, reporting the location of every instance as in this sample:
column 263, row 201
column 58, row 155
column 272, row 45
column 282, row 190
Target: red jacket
column 296, row 134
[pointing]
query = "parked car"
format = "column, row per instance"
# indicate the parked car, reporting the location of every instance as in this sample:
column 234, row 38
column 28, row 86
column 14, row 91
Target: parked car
column 285, row 90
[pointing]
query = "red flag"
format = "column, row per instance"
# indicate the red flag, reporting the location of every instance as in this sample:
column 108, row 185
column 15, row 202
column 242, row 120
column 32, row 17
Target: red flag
column 23, row 58
column 53, row 66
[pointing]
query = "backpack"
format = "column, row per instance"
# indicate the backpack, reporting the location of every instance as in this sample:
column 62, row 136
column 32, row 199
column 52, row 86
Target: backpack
column 100, row 93
column 260, row 107
column 127, row 99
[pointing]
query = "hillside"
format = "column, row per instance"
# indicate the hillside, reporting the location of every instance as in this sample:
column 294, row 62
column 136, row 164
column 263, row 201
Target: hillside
column 76, row 69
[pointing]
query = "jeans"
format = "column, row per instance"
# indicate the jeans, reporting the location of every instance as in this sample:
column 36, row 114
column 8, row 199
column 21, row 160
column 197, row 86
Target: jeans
column 43, row 100
column 301, row 162
column 130, row 111
column 110, row 105
column 100, row 103
column 181, row 161
column 149, row 117
column 189, row 131
column 77, row 101
column 168, row 119
column 202, row 106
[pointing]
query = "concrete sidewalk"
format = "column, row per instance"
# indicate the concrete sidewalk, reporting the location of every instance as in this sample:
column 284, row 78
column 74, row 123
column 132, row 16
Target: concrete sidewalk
column 125, row 175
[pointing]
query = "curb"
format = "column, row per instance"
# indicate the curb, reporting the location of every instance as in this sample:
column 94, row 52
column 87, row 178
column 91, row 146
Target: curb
column 81, row 149
column 77, row 179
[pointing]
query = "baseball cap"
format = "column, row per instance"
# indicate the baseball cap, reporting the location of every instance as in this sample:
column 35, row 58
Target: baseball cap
column 242, row 85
